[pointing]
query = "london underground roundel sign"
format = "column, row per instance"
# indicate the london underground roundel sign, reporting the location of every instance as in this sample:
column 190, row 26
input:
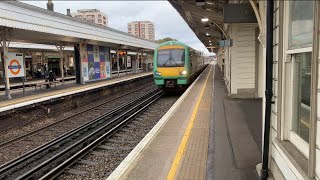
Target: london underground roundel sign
column 15, row 66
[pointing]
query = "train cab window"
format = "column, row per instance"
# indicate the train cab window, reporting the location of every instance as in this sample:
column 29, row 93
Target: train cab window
column 171, row 58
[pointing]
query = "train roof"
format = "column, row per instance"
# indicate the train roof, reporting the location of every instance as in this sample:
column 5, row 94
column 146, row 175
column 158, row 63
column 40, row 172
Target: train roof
column 168, row 43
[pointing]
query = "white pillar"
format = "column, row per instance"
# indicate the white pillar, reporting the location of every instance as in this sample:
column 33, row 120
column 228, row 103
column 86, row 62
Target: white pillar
column 118, row 67
column 125, row 62
column 5, row 55
column 61, row 63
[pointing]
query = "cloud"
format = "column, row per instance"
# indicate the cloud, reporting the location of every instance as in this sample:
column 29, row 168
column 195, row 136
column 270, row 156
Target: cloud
column 168, row 22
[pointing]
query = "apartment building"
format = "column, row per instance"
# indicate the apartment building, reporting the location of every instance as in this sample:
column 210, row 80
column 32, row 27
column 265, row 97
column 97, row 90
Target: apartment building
column 143, row 29
column 91, row 15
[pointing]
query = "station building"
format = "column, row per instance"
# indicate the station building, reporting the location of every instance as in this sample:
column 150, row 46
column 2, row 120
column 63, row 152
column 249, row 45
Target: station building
column 295, row 116
column 240, row 45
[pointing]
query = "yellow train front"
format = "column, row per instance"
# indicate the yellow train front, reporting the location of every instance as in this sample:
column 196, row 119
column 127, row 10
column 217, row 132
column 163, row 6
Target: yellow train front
column 175, row 65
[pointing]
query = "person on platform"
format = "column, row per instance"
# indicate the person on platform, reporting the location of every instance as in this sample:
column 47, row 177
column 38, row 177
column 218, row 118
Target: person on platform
column 52, row 76
column 42, row 72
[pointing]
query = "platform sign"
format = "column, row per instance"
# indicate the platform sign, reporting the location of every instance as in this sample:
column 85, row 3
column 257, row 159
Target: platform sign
column 225, row 43
column 15, row 65
column 128, row 61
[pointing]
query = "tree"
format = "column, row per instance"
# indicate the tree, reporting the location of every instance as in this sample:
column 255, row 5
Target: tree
column 159, row 41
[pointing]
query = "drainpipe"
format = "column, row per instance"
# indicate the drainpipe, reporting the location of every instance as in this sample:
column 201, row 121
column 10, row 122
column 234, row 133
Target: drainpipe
column 268, row 92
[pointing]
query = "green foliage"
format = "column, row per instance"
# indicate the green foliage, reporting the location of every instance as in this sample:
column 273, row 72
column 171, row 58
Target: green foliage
column 159, row 41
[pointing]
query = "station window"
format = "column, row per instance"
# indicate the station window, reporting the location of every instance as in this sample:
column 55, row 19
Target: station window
column 298, row 91
column 99, row 16
column 150, row 25
column 78, row 16
column 104, row 18
column 142, row 25
column 99, row 21
column 136, row 29
column 300, row 24
column 104, row 22
column 136, row 25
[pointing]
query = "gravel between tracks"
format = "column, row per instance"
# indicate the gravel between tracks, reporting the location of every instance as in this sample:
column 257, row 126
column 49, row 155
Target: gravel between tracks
column 14, row 150
column 109, row 154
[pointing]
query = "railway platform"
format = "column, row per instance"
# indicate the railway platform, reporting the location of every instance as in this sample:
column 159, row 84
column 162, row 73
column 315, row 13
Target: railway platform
column 68, row 88
column 205, row 135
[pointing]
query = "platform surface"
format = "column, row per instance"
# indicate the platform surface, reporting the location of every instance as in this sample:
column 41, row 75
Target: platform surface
column 205, row 136
column 33, row 96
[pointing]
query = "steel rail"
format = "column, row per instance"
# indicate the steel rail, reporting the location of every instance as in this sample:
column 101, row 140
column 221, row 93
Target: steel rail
column 115, row 126
column 13, row 165
column 19, row 138
column 96, row 136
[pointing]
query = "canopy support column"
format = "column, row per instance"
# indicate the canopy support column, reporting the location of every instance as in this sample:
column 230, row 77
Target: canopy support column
column 6, row 35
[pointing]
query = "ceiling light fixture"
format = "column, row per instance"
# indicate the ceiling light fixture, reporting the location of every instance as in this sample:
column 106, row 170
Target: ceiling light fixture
column 207, row 34
column 205, row 19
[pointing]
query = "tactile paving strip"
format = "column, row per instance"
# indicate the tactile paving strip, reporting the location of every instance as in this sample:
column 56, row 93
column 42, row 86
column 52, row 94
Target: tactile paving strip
column 194, row 162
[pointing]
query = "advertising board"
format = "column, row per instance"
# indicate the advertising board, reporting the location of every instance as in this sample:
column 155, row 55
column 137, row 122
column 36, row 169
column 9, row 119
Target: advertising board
column 94, row 62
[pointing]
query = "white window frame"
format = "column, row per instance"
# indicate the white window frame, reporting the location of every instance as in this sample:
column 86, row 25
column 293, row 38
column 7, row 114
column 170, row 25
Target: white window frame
column 293, row 137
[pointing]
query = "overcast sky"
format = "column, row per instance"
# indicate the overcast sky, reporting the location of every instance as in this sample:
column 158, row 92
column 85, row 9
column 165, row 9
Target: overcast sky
column 168, row 22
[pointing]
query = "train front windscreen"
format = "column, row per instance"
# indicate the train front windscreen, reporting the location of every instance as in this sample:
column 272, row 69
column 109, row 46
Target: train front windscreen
column 171, row 58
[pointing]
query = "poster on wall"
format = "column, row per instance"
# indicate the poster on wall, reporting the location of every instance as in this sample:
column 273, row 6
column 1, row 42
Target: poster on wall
column 96, row 70
column 96, row 65
column 108, row 70
column 15, row 65
column 84, row 60
column 102, row 55
column 91, row 71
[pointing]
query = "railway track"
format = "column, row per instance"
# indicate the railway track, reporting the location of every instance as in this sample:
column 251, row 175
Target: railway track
column 35, row 138
column 21, row 137
column 49, row 160
column 100, row 162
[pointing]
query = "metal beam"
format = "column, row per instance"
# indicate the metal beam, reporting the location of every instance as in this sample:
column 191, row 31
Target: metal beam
column 190, row 20
column 212, row 32
column 203, row 12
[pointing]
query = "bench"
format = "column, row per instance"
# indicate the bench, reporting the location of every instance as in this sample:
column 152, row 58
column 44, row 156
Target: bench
column 47, row 84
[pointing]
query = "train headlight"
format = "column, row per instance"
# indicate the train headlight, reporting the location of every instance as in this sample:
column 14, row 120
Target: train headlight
column 184, row 72
column 156, row 73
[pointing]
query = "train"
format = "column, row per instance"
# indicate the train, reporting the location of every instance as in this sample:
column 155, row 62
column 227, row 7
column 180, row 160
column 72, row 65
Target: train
column 175, row 65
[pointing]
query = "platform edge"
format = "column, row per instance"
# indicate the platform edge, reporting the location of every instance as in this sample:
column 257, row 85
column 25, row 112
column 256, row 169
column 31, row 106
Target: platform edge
column 133, row 156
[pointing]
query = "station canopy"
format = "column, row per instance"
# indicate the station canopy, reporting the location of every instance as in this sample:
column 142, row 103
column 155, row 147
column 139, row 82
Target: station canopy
column 205, row 18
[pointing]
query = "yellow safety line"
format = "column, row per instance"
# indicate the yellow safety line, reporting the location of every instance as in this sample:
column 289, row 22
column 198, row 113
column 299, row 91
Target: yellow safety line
column 183, row 143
